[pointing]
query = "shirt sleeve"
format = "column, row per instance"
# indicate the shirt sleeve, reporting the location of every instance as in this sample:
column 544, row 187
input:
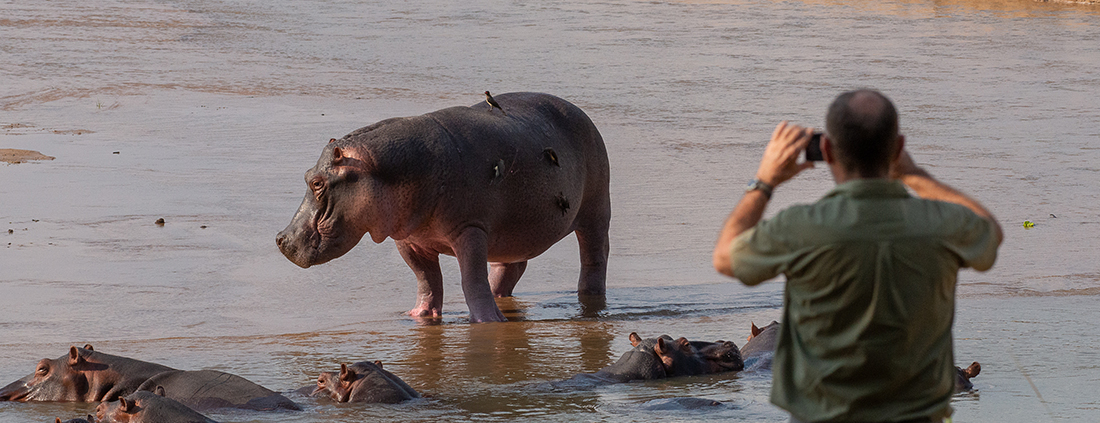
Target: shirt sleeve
column 758, row 254
column 975, row 242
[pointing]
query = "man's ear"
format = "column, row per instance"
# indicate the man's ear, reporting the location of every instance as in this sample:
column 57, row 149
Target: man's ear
column 901, row 147
column 827, row 149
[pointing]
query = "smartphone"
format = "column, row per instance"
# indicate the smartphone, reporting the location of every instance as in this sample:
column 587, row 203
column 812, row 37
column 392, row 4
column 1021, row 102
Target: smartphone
column 813, row 150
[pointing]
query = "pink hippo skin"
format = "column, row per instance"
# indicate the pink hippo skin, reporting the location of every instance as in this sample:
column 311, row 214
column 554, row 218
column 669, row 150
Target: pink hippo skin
column 470, row 182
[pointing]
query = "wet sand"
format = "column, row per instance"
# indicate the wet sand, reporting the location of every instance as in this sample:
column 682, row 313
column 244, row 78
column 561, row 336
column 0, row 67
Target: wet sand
column 14, row 156
column 216, row 110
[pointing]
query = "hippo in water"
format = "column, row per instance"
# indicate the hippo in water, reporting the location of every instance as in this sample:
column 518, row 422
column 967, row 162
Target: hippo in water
column 364, row 382
column 86, row 375
column 760, row 349
column 664, row 357
column 147, row 407
column 470, row 182
column 83, row 375
column 210, row 389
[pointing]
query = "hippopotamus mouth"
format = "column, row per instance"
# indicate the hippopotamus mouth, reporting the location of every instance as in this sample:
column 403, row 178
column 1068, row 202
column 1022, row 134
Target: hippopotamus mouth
column 15, row 391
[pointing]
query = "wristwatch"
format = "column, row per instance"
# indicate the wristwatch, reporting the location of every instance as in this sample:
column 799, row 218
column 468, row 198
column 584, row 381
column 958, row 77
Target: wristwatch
column 757, row 184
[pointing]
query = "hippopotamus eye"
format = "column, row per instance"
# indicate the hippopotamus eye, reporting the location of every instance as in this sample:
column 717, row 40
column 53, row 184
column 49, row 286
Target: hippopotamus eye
column 317, row 183
column 42, row 370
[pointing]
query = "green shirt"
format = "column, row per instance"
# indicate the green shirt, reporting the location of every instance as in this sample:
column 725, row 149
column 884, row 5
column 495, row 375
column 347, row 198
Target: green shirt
column 869, row 301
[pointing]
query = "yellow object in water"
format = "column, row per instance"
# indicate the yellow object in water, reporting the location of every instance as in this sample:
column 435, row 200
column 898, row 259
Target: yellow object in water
column 1028, row 224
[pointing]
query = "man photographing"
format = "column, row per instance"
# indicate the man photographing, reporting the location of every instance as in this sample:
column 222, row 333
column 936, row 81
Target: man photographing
column 871, row 270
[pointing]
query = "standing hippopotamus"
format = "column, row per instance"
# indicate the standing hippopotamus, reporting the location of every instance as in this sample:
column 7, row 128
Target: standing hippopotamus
column 210, row 389
column 471, row 182
column 147, row 407
column 364, row 382
column 663, row 357
column 82, row 376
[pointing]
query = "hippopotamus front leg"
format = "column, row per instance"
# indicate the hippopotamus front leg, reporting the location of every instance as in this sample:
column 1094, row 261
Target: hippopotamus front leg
column 503, row 277
column 429, row 287
column 471, row 247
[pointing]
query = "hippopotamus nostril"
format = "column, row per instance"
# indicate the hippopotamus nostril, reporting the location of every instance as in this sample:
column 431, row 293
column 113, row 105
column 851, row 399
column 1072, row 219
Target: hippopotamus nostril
column 280, row 239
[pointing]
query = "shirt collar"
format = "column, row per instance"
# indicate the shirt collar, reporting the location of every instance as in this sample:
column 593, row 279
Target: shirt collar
column 870, row 188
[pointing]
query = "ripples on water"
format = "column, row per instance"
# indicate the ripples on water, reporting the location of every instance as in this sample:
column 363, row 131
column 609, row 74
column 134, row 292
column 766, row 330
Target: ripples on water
column 217, row 108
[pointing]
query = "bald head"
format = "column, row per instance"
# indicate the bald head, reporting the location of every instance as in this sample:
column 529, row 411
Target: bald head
column 863, row 126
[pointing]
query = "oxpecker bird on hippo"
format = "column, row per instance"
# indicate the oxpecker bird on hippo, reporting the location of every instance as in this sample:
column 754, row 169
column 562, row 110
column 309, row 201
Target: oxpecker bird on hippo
column 470, row 182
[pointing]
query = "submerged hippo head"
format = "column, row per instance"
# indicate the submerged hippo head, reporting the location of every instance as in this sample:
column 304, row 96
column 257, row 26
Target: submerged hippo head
column 963, row 376
column 62, row 379
column 83, row 375
column 147, row 407
column 364, row 382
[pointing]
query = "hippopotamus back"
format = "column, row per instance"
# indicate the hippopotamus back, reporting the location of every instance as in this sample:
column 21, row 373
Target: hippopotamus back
column 210, row 389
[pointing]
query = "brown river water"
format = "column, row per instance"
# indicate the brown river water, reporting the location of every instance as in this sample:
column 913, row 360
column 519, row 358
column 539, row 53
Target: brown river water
column 207, row 113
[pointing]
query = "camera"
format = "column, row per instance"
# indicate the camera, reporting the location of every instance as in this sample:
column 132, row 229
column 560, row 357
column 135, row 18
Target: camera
column 813, row 150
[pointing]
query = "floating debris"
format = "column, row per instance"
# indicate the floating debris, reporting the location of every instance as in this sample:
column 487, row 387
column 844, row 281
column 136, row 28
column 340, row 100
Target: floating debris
column 1028, row 224
column 159, row 222
column 1052, row 215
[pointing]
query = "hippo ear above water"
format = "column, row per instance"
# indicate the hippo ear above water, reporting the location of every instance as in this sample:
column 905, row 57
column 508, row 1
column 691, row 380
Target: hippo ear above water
column 124, row 405
column 973, row 370
column 89, row 347
column 378, row 363
column 74, row 356
column 337, row 156
column 635, row 339
column 160, row 391
column 346, row 374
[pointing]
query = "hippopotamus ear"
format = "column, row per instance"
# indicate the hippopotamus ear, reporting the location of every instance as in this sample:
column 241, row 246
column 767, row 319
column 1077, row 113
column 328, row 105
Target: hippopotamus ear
column 346, row 374
column 378, row 363
column 74, row 356
column 973, row 370
column 754, row 331
column 661, row 348
column 337, row 156
column 125, row 405
column 58, row 420
column 89, row 347
column 331, row 140
column 159, row 391
column 635, row 339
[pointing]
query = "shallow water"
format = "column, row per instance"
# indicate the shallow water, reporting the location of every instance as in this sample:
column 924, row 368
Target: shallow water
column 216, row 108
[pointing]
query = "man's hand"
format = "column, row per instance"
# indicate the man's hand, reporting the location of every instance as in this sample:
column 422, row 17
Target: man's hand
column 780, row 161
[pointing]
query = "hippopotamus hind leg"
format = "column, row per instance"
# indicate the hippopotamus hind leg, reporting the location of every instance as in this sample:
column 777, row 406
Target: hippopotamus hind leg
column 504, row 276
column 594, row 248
column 429, row 288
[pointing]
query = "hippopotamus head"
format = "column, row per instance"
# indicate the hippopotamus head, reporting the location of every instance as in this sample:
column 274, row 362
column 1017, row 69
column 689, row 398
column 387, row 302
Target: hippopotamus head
column 147, row 407
column 963, row 376
column 367, row 181
column 62, row 379
column 83, row 375
column 720, row 356
column 364, row 382
column 656, row 358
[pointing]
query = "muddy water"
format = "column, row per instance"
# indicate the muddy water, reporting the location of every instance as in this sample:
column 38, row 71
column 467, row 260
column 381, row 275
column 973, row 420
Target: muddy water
column 207, row 113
